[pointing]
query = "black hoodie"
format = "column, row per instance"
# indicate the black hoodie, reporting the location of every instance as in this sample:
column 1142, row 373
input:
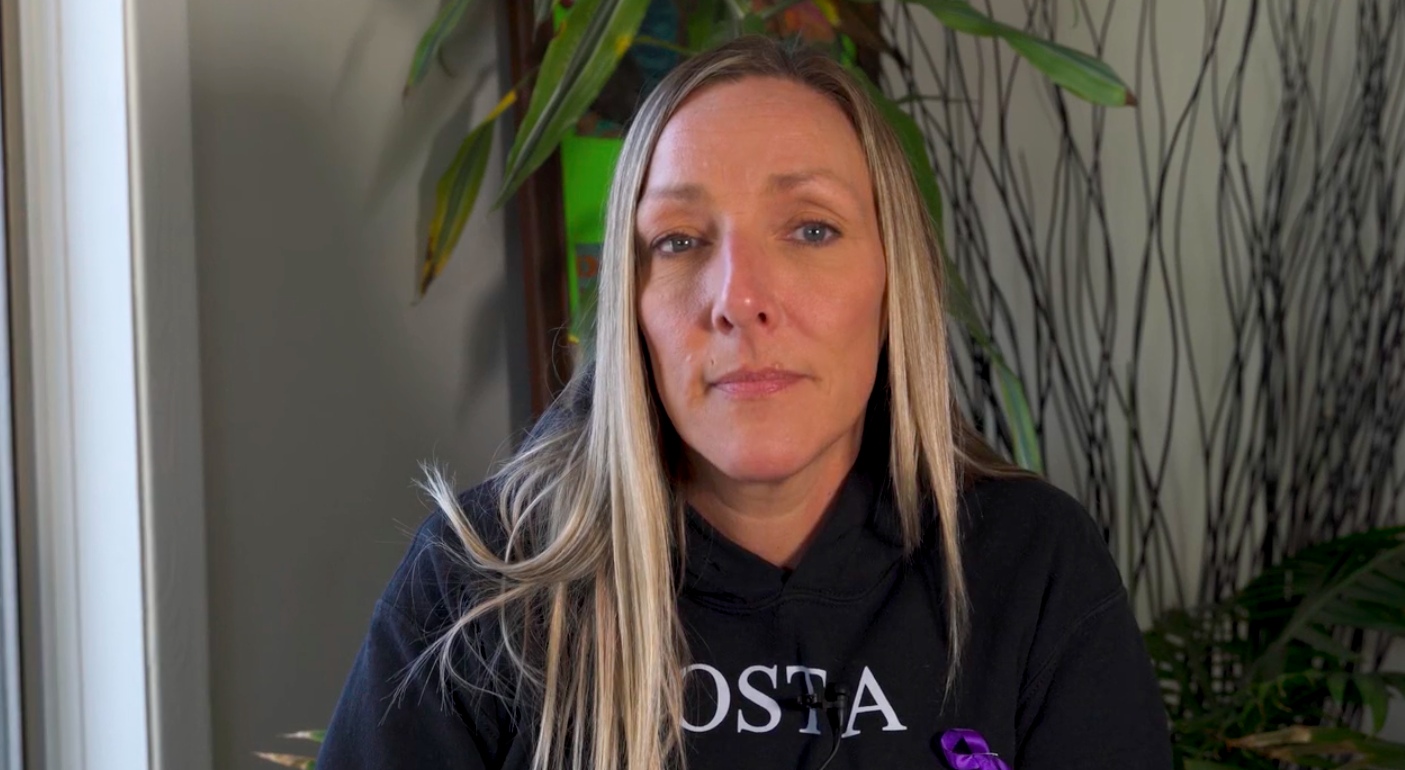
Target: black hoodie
column 1055, row 677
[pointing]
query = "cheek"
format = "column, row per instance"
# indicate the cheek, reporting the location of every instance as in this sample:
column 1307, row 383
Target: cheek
column 849, row 310
column 663, row 316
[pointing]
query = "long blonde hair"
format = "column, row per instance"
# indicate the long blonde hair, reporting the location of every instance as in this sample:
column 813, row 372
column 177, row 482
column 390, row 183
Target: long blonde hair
column 579, row 566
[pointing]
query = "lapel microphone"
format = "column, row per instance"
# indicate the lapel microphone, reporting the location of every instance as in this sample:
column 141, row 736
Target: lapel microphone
column 836, row 705
column 834, row 702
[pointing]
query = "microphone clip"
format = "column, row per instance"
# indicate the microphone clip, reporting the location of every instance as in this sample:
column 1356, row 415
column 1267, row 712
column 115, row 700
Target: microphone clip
column 834, row 702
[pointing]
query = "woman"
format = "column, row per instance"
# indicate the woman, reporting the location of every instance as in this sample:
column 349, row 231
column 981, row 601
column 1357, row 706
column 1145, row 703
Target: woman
column 754, row 531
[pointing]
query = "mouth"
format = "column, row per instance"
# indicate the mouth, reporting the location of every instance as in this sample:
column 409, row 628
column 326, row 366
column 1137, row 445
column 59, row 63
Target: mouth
column 754, row 383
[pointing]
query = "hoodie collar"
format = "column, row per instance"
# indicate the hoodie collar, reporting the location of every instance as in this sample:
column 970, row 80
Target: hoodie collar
column 857, row 546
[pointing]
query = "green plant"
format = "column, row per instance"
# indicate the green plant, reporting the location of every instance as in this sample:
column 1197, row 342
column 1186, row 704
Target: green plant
column 295, row 760
column 1265, row 676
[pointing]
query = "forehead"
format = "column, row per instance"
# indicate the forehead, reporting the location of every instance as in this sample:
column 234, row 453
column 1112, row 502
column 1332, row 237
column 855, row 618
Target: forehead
column 743, row 134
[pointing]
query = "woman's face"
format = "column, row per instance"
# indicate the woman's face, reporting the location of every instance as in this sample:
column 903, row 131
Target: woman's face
column 763, row 277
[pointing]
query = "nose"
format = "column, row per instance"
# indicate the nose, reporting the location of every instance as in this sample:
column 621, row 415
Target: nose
column 744, row 281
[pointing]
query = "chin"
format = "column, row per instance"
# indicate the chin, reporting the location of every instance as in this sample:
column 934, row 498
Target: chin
column 745, row 459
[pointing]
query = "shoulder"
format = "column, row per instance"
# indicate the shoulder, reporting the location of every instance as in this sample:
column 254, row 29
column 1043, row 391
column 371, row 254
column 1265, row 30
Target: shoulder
column 1040, row 574
column 1032, row 510
column 436, row 578
column 1035, row 538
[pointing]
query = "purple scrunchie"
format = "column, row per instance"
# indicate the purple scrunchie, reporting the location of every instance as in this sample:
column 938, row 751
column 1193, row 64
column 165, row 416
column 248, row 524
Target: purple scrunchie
column 978, row 755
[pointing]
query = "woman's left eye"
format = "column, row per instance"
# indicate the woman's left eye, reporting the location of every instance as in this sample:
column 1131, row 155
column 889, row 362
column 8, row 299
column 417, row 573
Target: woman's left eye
column 815, row 233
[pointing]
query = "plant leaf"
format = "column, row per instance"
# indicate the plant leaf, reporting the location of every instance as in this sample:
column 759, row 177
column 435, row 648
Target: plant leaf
column 448, row 18
column 1294, row 736
column 1395, row 679
column 1016, row 408
column 1182, row 643
column 913, row 142
column 579, row 60
column 738, row 8
column 753, row 24
column 700, row 22
column 1012, row 394
column 1082, row 75
column 1325, row 643
column 1375, row 697
column 1336, row 685
column 1200, row 764
column 1313, row 746
column 288, row 760
column 1328, row 584
column 316, row 736
column 457, row 192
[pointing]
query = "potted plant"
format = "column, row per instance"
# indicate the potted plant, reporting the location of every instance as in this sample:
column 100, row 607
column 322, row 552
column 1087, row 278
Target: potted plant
column 1275, row 673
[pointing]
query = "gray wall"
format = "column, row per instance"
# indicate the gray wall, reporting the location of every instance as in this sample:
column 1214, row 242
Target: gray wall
column 323, row 385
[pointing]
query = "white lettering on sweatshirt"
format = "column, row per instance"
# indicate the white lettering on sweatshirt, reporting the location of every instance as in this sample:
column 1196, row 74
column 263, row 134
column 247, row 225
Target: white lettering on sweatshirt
column 868, row 698
column 724, row 698
column 811, row 727
column 761, row 699
column 869, row 686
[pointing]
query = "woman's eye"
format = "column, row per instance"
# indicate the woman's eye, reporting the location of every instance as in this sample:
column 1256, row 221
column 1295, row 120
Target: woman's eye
column 815, row 233
column 675, row 244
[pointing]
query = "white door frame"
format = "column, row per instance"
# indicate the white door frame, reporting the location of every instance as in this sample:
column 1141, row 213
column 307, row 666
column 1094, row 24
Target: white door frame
column 168, row 378
column 110, row 489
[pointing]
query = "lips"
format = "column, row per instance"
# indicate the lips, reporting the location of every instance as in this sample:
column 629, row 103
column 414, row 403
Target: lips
column 751, row 383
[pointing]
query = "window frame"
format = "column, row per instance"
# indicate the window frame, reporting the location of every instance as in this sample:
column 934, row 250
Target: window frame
column 109, row 487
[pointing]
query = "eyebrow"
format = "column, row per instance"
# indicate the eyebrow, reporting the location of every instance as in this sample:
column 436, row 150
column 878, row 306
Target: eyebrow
column 778, row 183
column 790, row 181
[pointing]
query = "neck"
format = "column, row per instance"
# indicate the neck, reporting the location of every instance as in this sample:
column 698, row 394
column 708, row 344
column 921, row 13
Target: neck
column 774, row 519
